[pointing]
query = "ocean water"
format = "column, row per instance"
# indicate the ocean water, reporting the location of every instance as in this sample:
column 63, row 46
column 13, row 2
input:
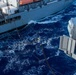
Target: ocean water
column 34, row 50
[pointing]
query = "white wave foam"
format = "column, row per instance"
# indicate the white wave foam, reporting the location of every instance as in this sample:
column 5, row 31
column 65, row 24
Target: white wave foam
column 57, row 53
column 32, row 21
column 74, row 74
column 52, row 20
column 46, row 22
column 1, row 54
column 74, row 3
column 71, row 13
column 42, row 22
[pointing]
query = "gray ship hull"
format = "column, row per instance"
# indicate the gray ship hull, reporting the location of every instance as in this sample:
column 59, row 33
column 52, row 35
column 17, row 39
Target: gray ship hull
column 35, row 14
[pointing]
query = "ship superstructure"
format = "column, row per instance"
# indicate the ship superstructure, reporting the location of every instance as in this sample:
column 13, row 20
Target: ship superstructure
column 17, row 13
column 68, row 44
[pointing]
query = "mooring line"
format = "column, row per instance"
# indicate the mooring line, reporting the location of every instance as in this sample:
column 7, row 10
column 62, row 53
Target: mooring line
column 49, row 64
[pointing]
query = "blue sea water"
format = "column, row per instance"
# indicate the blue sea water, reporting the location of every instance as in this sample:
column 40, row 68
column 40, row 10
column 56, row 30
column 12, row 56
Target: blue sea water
column 34, row 50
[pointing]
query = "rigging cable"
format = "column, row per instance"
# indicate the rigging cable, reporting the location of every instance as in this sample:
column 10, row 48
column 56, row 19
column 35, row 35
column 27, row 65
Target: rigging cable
column 17, row 31
column 49, row 64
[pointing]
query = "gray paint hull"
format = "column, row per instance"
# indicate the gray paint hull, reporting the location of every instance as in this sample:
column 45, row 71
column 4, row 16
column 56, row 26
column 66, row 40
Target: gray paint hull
column 35, row 14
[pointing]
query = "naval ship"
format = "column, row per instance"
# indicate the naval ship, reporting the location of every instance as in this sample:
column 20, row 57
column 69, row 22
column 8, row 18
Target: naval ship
column 17, row 13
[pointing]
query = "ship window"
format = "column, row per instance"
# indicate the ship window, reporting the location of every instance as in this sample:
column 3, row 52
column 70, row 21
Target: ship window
column 0, row 23
column 17, row 18
column 10, row 20
column 17, row 11
column 3, row 22
column 75, row 49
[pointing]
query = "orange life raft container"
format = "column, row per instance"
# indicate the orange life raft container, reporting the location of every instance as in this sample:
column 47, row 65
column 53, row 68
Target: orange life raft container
column 22, row 2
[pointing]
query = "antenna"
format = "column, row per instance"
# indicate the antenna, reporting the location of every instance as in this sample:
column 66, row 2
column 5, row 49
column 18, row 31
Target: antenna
column 7, row 2
column 7, row 5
